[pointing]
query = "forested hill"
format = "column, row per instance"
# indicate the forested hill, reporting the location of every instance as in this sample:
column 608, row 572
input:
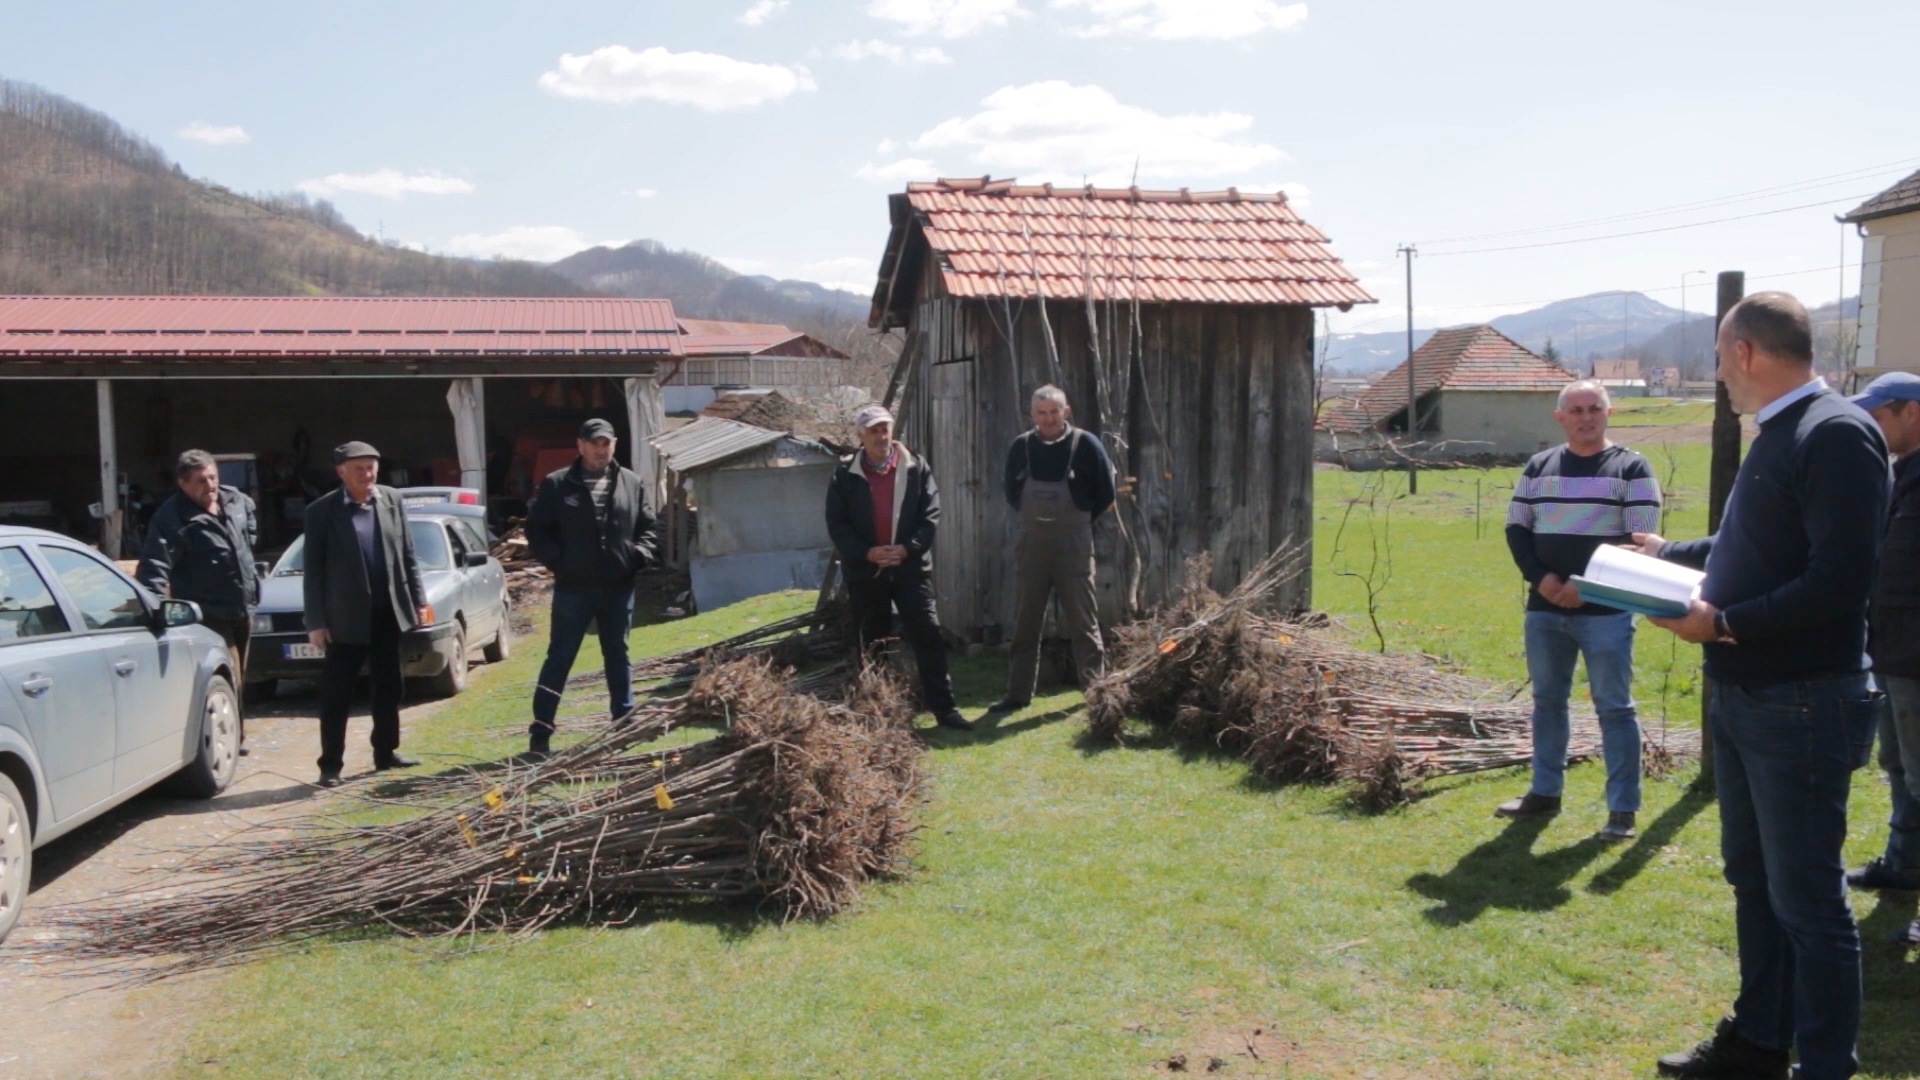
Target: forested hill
column 88, row 207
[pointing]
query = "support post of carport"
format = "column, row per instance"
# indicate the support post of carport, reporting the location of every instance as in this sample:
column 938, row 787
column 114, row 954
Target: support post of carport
column 467, row 399
column 109, row 472
column 647, row 421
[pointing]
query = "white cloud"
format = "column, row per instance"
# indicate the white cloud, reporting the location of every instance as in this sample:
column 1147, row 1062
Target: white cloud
column 642, row 192
column 1187, row 19
column 947, row 18
column 893, row 54
column 215, row 134
column 537, row 243
column 385, row 183
column 617, row 75
column 897, row 172
column 760, row 12
column 1053, row 131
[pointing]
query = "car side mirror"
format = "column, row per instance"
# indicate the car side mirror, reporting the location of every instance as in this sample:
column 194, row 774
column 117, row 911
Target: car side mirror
column 178, row 613
column 474, row 558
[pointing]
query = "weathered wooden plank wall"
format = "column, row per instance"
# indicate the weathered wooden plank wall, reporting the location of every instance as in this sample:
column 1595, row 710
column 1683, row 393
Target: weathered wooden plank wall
column 1207, row 408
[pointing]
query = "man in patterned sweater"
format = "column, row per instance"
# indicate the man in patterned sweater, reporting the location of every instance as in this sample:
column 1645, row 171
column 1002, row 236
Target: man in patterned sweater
column 1568, row 501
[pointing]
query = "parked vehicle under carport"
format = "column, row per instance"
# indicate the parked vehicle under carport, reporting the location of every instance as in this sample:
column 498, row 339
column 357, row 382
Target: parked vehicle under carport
column 105, row 691
column 466, row 590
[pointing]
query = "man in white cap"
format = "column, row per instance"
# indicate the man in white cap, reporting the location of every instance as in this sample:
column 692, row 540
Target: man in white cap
column 1893, row 627
column 883, row 509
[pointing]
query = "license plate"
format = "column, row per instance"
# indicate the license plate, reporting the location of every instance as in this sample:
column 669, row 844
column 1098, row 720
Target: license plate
column 303, row 652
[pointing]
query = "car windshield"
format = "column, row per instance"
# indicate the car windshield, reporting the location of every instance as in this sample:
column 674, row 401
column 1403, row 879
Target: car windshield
column 429, row 549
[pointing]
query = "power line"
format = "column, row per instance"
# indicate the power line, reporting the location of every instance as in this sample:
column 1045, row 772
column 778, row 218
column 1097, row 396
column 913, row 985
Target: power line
column 1661, row 229
column 1724, row 200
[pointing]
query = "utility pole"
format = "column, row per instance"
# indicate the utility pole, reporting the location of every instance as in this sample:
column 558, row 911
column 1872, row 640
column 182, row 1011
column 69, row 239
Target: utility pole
column 1413, row 390
column 1723, row 470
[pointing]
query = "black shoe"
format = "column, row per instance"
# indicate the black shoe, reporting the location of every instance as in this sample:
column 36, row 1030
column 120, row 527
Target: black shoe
column 1007, row 705
column 392, row 760
column 951, row 718
column 540, row 745
column 1906, row 936
column 1619, row 826
column 1726, row 1056
column 1528, row 805
column 1878, row 873
column 329, row 778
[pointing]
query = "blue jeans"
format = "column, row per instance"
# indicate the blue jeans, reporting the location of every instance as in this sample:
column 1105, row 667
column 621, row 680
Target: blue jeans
column 1783, row 759
column 572, row 611
column 1554, row 642
column 1900, row 756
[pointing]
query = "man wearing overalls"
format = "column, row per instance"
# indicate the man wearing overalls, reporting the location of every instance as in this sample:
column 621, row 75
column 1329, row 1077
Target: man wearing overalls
column 1059, row 479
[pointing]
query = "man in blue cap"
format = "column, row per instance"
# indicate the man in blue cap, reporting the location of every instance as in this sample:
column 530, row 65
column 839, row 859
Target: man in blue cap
column 1893, row 400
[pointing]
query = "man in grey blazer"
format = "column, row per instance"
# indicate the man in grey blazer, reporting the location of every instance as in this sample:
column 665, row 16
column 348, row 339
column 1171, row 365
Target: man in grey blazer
column 363, row 591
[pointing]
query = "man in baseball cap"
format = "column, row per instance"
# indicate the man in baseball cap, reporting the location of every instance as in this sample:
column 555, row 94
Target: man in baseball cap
column 883, row 509
column 1893, row 400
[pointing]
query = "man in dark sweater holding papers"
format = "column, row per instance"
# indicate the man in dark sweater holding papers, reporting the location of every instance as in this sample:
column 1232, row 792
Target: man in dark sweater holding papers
column 1783, row 618
column 1568, row 501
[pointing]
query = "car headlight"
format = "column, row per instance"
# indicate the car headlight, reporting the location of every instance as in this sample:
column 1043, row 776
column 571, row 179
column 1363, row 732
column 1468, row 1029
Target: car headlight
column 263, row 624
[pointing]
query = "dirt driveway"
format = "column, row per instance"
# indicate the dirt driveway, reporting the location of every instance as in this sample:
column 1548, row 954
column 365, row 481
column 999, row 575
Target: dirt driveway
column 49, row 1029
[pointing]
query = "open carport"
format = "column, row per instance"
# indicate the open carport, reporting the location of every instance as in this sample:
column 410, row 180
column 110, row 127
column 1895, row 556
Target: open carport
column 99, row 394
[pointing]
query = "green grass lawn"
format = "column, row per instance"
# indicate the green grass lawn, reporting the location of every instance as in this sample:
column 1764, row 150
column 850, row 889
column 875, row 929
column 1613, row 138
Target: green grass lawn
column 1081, row 913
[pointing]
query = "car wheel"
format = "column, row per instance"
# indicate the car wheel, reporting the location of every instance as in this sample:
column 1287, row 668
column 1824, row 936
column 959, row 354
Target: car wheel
column 501, row 646
column 454, row 678
column 217, row 755
column 16, row 855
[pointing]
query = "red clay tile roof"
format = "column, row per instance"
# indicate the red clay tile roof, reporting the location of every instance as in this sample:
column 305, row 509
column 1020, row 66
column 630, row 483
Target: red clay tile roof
column 998, row 238
column 1463, row 358
column 294, row 326
column 1901, row 198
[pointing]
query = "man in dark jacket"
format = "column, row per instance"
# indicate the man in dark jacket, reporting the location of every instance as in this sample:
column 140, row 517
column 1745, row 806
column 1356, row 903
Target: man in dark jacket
column 362, row 588
column 1059, row 480
column 1893, row 400
column 1782, row 616
column 591, row 525
column 883, row 509
column 199, row 547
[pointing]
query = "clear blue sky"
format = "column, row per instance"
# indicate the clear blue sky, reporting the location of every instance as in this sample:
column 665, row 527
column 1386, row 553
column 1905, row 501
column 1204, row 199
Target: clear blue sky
column 767, row 133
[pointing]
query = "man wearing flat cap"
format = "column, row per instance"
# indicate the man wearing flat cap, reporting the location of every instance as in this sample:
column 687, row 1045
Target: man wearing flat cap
column 590, row 524
column 1893, row 638
column 363, row 591
column 883, row 509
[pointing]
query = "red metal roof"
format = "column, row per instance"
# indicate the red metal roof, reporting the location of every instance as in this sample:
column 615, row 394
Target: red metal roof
column 713, row 337
column 159, row 326
column 998, row 238
column 1463, row 358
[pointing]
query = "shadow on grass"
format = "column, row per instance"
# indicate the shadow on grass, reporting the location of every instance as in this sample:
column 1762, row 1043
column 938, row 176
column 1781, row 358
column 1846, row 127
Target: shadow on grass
column 1658, row 834
column 1505, row 873
column 1889, row 1039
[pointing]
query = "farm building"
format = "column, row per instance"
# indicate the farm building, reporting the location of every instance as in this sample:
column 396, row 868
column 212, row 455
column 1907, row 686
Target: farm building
column 720, row 355
column 1479, row 396
column 1889, row 226
column 98, row 394
column 759, row 497
column 1179, row 323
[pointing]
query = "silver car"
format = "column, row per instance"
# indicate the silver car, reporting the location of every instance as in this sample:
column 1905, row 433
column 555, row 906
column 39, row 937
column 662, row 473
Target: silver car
column 466, row 587
column 105, row 691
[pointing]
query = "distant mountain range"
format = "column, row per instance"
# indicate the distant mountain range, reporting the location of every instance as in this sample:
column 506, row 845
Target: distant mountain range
column 1587, row 328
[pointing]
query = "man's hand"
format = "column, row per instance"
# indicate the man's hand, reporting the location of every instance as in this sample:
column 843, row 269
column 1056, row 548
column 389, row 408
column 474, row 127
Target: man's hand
column 1695, row 626
column 884, row 556
column 1648, row 544
column 900, row 553
column 319, row 638
column 1558, row 591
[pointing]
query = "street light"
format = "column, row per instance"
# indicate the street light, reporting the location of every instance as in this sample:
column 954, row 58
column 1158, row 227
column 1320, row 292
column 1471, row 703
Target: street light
column 1683, row 325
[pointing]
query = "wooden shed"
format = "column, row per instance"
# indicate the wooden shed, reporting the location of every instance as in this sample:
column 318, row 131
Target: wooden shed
column 1179, row 323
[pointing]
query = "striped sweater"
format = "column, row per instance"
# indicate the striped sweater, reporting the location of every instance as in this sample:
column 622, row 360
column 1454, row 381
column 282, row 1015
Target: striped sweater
column 1566, row 505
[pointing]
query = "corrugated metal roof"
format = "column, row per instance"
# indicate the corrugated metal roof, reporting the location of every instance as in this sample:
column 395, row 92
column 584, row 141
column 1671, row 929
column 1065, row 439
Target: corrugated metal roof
column 710, row 440
column 1463, row 358
column 1901, row 198
column 712, row 337
column 159, row 326
column 993, row 238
